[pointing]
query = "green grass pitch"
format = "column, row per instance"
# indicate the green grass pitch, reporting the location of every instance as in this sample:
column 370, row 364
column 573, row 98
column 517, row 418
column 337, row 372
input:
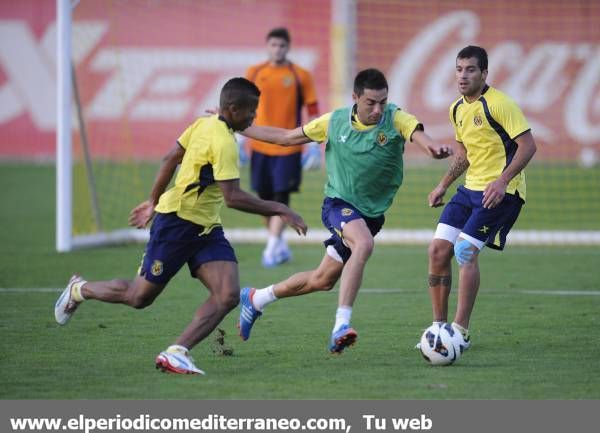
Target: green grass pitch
column 534, row 326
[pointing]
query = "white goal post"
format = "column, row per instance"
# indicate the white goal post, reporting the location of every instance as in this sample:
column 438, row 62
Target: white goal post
column 64, row 178
column 66, row 91
column 343, row 37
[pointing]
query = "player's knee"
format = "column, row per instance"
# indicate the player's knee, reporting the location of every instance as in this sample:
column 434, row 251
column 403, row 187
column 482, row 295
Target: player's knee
column 138, row 301
column 324, row 284
column 465, row 252
column 229, row 300
column 139, row 294
column 440, row 253
column 321, row 282
column 363, row 248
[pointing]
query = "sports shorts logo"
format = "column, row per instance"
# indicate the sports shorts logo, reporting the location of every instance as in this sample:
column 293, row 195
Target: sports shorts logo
column 157, row 268
column 477, row 120
column 484, row 229
column 382, row 139
column 347, row 211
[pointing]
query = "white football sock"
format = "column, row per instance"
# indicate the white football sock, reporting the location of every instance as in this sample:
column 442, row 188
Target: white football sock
column 342, row 317
column 263, row 297
column 282, row 245
column 272, row 242
column 463, row 331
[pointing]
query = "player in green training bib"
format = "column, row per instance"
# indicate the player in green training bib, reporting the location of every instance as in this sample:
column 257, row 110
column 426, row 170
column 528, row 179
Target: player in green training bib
column 363, row 154
column 350, row 159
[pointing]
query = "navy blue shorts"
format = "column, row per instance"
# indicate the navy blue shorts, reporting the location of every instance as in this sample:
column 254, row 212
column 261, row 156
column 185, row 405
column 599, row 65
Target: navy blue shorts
column 335, row 213
column 175, row 241
column 272, row 174
column 465, row 212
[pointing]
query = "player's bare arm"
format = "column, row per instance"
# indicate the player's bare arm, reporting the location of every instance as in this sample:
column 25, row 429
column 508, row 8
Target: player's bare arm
column 141, row 215
column 426, row 143
column 457, row 167
column 495, row 191
column 281, row 136
column 237, row 198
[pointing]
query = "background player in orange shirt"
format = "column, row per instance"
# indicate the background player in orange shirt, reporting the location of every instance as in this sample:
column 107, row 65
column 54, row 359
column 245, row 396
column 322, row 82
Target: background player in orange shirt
column 276, row 171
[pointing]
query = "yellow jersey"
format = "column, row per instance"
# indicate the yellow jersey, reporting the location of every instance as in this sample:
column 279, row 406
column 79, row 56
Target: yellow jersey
column 488, row 128
column 211, row 154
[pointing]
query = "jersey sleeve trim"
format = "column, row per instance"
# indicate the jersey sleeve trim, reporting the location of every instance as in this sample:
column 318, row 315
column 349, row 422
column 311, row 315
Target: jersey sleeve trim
column 455, row 108
column 226, row 179
column 418, row 127
column 521, row 133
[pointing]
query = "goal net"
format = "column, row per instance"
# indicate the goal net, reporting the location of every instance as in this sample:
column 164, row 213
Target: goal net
column 145, row 69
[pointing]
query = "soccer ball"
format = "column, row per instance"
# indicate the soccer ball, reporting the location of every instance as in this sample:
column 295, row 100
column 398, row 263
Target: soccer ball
column 440, row 344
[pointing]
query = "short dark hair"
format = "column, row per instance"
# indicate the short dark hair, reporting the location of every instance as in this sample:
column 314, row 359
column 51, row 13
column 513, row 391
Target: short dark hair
column 279, row 32
column 369, row 79
column 239, row 92
column 474, row 51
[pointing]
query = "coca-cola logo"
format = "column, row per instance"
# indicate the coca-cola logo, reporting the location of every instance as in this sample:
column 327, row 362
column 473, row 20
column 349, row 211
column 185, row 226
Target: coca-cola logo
column 556, row 83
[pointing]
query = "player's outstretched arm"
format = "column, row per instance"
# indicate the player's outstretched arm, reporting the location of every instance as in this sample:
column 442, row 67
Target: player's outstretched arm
column 141, row 215
column 281, row 136
column 494, row 192
column 426, row 143
column 457, row 167
column 237, row 198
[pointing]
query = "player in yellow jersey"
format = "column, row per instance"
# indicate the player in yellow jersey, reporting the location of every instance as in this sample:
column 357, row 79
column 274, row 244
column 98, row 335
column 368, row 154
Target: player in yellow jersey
column 493, row 144
column 276, row 171
column 187, row 226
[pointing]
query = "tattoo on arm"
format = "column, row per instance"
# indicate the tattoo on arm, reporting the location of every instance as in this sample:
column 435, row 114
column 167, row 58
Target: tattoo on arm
column 443, row 280
column 458, row 167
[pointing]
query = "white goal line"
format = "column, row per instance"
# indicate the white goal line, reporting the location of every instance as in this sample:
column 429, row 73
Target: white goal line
column 389, row 236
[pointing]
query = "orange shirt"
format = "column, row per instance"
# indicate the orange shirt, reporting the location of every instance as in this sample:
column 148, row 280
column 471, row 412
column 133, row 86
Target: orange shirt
column 279, row 104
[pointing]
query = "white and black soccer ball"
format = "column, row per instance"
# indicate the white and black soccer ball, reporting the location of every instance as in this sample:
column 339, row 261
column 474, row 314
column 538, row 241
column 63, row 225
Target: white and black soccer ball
column 440, row 344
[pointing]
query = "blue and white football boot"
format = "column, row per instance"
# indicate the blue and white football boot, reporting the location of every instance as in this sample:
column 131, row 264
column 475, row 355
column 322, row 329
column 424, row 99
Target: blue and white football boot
column 248, row 314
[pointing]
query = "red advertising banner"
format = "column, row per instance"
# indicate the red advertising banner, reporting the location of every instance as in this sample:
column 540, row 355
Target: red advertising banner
column 145, row 69
column 544, row 54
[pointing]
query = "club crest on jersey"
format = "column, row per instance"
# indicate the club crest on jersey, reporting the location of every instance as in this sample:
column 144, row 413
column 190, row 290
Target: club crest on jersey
column 157, row 268
column 382, row 139
column 288, row 80
column 347, row 211
column 477, row 120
